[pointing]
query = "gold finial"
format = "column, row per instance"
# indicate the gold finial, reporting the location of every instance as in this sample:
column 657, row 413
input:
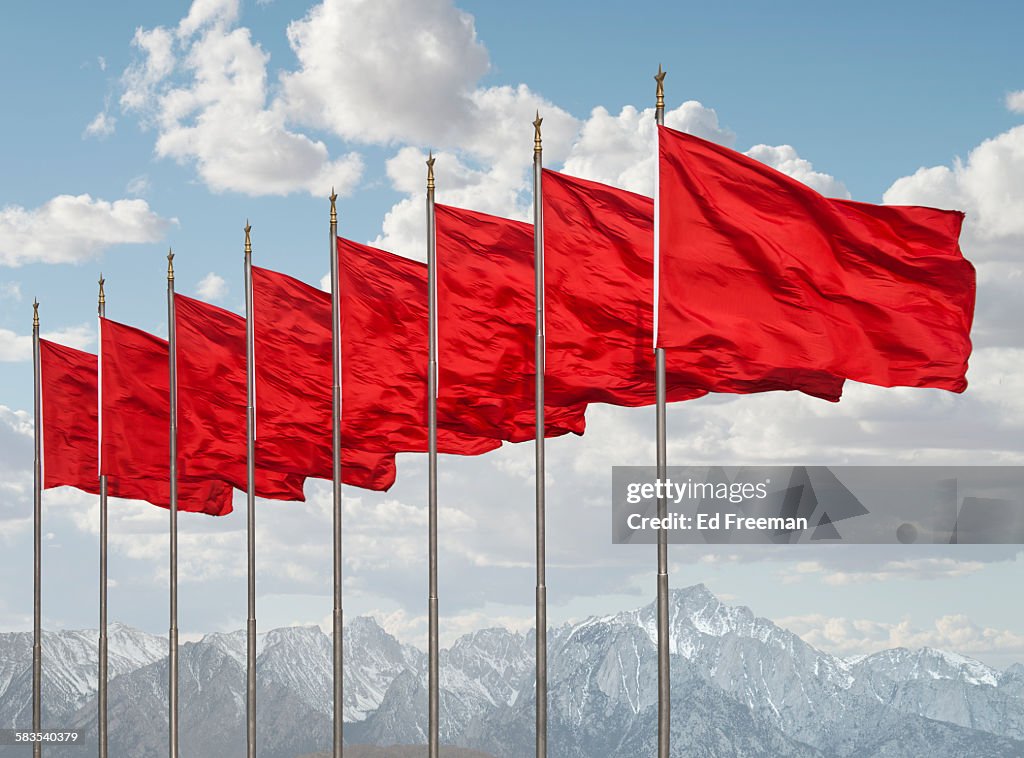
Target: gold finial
column 35, row 313
column 170, row 265
column 430, row 171
column 536, row 133
column 103, row 296
column 248, row 242
column 334, row 207
column 660, row 79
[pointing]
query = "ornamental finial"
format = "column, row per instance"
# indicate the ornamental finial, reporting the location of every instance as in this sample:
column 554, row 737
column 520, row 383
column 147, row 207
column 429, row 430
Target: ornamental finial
column 248, row 241
column 35, row 313
column 660, row 79
column 170, row 265
column 430, row 171
column 103, row 296
column 536, row 133
column 334, row 207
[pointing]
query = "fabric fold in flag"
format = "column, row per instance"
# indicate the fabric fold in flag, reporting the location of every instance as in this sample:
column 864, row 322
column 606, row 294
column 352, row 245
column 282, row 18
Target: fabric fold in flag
column 294, row 379
column 213, row 401
column 69, row 390
column 878, row 294
column 599, row 275
column 385, row 350
column 486, row 323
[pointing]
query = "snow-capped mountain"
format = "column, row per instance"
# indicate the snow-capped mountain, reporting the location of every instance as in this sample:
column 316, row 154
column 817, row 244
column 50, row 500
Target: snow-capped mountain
column 741, row 686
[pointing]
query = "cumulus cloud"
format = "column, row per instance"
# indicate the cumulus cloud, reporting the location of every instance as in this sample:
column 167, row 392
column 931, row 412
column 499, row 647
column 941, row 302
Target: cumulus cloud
column 1015, row 101
column 784, row 158
column 18, row 347
column 851, row 637
column 101, row 126
column 212, row 287
column 71, row 229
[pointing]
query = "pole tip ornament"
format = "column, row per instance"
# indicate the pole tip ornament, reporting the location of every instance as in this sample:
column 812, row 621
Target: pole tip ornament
column 536, row 133
column 660, row 79
column 170, row 265
column 430, row 170
column 248, row 241
column 35, row 313
column 103, row 296
column 334, row 207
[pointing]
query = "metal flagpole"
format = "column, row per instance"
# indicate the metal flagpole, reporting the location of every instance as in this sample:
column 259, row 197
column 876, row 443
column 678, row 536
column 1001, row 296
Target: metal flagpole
column 539, row 368
column 664, row 688
column 339, row 689
column 433, row 683
column 250, row 488
column 37, row 541
column 172, row 699
column 101, row 698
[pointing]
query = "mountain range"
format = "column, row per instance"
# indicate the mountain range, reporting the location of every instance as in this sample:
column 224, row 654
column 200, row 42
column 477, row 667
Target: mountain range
column 741, row 686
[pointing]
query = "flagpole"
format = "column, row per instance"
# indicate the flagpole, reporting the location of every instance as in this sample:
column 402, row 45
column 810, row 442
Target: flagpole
column 336, row 456
column 433, row 683
column 101, row 698
column 539, row 368
column 250, row 488
column 37, row 541
column 664, row 686
column 172, row 699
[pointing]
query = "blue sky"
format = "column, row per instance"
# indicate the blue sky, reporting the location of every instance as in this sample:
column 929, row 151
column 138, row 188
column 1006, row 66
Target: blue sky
column 179, row 150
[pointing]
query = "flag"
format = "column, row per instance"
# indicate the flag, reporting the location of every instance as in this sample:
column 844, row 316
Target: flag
column 599, row 281
column 69, row 388
column 385, row 351
column 213, row 400
column 486, row 323
column 757, row 267
column 294, row 379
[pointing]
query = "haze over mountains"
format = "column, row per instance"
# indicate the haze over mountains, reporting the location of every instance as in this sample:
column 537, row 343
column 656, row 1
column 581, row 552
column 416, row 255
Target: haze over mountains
column 741, row 686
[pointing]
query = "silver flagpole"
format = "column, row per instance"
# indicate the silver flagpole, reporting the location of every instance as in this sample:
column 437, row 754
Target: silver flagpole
column 664, row 688
column 433, row 684
column 250, row 488
column 539, row 368
column 172, row 699
column 37, row 541
column 101, row 699
column 339, row 690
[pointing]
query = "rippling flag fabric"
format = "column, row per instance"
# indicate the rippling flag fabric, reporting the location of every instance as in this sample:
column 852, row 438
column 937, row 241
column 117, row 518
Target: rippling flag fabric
column 874, row 293
column 294, row 379
column 385, row 350
column 135, row 411
column 213, row 401
column 486, row 327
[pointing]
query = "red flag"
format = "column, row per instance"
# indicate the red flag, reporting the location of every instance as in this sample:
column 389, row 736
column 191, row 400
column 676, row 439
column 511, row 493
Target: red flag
column 385, row 349
column 756, row 266
column 212, row 401
column 485, row 329
column 294, row 377
column 69, row 390
column 599, row 281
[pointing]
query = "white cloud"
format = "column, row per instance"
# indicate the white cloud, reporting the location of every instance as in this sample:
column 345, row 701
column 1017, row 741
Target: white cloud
column 138, row 185
column 1015, row 101
column 217, row 117
column 212, row 287
column 11, row 291
column 101, row 126
column 71, row 229
column 989, row 186
column 784, row 158
column 18, row 347
column 101, row 62
column 385, row 71
column 849, row 637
